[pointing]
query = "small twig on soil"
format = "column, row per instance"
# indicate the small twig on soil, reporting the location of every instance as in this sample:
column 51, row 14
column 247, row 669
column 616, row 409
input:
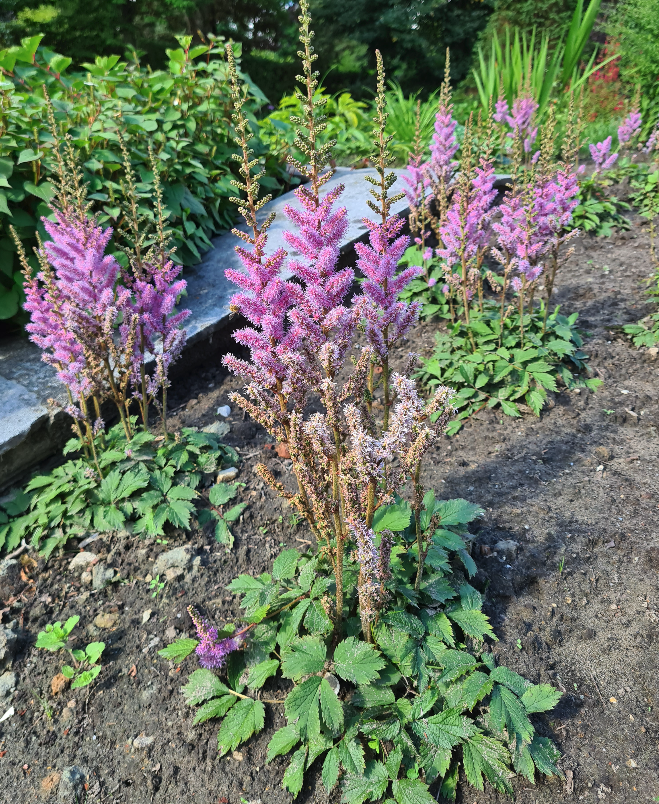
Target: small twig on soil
column 304, row 541
column 250, row 455
column 17, row 551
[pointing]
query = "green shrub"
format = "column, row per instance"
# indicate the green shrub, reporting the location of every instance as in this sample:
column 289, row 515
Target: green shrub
column 182, row 112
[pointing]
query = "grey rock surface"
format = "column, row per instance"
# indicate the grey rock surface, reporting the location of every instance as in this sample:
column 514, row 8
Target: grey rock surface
column 81, row 561
column 8, row 683
column 178, row 558
column 10, row 578
column 507, row 548
column 101, row 576
column 8, row 645
column 72, row 785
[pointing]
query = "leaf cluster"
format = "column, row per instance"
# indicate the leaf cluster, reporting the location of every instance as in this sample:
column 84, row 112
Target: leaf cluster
column 391, row 718
column 490, row 369
column 598, row 211
column 85, row 662
column 147, row 483
column 183, row 112
column 219, row 496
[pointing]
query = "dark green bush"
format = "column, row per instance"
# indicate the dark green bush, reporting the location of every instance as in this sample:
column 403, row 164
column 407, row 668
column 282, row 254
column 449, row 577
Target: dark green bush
column 182, row 112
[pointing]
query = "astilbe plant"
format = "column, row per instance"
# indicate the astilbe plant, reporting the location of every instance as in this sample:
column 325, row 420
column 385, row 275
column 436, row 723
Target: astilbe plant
column 96, row 323
column 379, row 630
column 499, row 352
column 111, row 332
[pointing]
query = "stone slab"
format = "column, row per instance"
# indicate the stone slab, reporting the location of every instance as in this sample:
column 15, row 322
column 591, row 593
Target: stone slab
column 31, row 431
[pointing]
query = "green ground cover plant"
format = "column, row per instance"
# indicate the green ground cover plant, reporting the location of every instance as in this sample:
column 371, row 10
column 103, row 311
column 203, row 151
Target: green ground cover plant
column 180, row 113
column 379, row 631
column 86, row 665
column 148, row 482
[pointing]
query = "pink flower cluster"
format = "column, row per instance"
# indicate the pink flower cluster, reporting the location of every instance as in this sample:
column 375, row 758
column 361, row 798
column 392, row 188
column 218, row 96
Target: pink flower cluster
column 444, row 145
column 211, row 652
column 76, row 302
column 630, row 127
column 68, row 308
column 600, row 154
column 521, row 120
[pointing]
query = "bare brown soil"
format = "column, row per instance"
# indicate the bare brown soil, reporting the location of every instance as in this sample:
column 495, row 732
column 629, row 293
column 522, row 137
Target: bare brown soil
column 575, row 603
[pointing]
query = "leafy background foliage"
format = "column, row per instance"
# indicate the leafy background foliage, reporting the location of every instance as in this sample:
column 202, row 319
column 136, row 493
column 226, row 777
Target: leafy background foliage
column 182, row 111
column 391, row 717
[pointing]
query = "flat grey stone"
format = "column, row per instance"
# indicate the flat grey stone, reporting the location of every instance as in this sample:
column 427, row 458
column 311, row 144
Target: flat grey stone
column 143, row 742
column 8, row 683
column 10, row 578
column 81, row 561
column 217, row 428
column 179, row 558
column 72, row 785
column 101, row 576
column 228, row 474
column 507, row 548
column 8, row 644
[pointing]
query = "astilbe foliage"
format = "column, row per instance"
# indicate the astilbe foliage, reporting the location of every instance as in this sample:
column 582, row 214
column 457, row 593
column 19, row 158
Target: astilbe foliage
column 95, row 322
column 382, row 637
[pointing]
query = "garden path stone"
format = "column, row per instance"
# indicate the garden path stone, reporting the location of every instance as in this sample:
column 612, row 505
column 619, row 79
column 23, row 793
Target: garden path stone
column 10, row 578
column 31, row 430
column 178, row 558
column 101, row 576
column 81, row 561
column 8, row 643
column 72, row 785
column 8, row 682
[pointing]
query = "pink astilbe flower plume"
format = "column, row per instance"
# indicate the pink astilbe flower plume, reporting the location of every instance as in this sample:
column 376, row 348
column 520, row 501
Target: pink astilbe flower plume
column 520, row 120
column 387, row 319
column 213, row 652
column 444, row 144
column 630, row 127
column 600, row 155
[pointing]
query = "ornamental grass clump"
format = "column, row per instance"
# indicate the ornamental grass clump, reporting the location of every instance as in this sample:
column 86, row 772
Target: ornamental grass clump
column 378, row 633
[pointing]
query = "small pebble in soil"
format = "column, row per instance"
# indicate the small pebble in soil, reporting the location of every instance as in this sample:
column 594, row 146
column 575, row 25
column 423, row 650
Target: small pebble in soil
column 224, row 410
column 231, row 473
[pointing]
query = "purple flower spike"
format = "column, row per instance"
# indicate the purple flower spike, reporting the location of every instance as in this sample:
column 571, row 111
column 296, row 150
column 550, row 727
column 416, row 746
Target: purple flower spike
column 630, row 127
column 212, row 654
column 600, row 155
column 500, row 110
column 521, row 121
column 444, row 145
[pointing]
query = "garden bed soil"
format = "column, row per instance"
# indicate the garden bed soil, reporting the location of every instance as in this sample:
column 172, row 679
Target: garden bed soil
column 572, row 594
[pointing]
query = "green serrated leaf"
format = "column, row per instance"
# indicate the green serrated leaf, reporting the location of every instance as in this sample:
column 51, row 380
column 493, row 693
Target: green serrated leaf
column 202, row 685
column 330, row 773
column 244, row 719
column 370, row 786
column 540, row 698
column 357, row 661
column 178, row 650
column 303, row 657
column 301, row 702
column 282, row 742
column 217, row 707
column 331, row 708
column 474, row 623
column 285, row 564
column 294, row 775
column 260, row 673
column 411, row 791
